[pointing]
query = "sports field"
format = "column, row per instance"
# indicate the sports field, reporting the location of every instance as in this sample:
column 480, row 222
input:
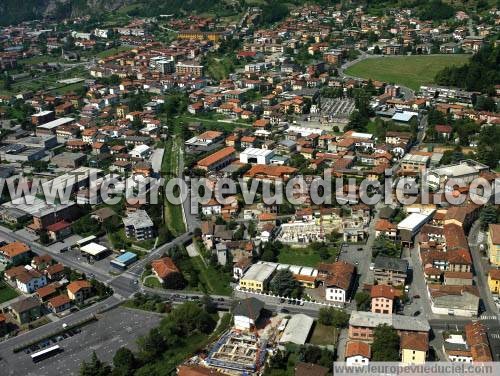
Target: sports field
column 410, row 71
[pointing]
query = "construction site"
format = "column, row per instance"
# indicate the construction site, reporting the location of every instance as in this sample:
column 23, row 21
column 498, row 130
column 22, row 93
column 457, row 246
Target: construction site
column 238, row 353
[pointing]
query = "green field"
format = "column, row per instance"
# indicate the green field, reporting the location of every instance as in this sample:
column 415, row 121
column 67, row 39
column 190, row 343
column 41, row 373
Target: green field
column 302, row 256
column 323, row 335
column 6, row 292
column 410, row 71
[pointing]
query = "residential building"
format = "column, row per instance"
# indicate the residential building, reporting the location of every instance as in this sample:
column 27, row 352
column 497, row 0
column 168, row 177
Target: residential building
column 139, row 225
column 163, row 268
column 494, row 281
column 257, row 277
column 79, row 290
column 362, row 324
column 390, row 271
column 30, row 280
column 414, row 347
column 246, row 313
column 15, row 253
column 493, row 244
column 337, row 279
column 59, row 303
column 357, row 353
column 26, row 310
column 382, row 298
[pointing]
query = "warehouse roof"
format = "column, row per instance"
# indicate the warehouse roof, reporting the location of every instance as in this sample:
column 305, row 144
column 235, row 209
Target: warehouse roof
column 398, row 322
column 297, row 330
column 259, row 272
column 93, row 249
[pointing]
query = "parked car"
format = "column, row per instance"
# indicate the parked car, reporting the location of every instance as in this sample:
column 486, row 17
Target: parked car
column 372, row 266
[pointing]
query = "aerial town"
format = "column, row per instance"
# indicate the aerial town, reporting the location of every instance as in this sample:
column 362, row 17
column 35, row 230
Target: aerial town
column 251, row 187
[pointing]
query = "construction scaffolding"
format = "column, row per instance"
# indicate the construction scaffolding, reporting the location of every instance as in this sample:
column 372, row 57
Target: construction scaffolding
column 239, row 352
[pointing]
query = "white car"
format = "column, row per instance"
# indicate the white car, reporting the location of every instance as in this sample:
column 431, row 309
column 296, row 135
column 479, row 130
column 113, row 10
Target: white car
column 372, row 266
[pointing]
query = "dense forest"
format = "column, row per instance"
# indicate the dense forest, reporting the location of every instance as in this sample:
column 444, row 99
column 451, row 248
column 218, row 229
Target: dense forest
column 480, row 74
column 14, row 11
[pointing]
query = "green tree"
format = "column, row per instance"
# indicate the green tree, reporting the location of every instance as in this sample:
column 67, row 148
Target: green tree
column 487, row 216
column 124, row 362
column 385, row 347
column 94, row 367
column 362, row 301
column 174, row 281
column 151, row 345
column 331, row 316
column 284, row 284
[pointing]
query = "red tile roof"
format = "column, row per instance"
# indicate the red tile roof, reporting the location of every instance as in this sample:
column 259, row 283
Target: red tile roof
column 14, row 249
column 59, row 300
column 384, row 291
column 76, row 286
column 354, row 348
column 164, row 266
column 415, row 341
column 217, row 156
column 494, row 274
column 477, row 338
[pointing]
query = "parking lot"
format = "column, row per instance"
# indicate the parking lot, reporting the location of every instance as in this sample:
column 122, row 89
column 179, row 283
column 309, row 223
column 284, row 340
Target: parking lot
column 114, row 329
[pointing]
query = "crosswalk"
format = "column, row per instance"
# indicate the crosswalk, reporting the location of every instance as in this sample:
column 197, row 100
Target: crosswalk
column 495, row 336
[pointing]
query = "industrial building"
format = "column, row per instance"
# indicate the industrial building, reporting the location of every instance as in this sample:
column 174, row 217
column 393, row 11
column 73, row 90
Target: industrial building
column 297, row 329
column 20, row 153
column 51, row 127
column 256, row 156
column 93, row 250
column 124, row 260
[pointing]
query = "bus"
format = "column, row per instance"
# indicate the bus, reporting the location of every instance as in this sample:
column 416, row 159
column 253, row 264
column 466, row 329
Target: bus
column 45, row 353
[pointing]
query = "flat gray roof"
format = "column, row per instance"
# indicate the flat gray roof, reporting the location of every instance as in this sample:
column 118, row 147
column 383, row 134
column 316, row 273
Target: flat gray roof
column 259, row 272
column 297, row 329
column 398, row 322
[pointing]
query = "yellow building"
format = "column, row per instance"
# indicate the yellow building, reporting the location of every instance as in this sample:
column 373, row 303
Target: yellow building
column 494, row 281
column 257, row 277
column 414, row 347
column 494, row 244
column 199, row 35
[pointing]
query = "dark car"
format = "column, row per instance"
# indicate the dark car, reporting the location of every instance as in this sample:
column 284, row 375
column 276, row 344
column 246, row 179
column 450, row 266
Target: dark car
column 284, row 310
column 416, row 296
column 360, row 248
column 417, row 313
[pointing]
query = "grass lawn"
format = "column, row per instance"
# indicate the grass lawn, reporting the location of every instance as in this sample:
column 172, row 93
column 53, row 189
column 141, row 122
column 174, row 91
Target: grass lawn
column 323, row 335
column 6, row 292
column 152, row 282
column 302, row 256
column 170, row 168
column 214, row 281
column 411, row 71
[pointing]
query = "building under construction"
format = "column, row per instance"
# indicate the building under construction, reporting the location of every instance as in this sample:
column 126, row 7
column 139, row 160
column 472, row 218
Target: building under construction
column 238, row 353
